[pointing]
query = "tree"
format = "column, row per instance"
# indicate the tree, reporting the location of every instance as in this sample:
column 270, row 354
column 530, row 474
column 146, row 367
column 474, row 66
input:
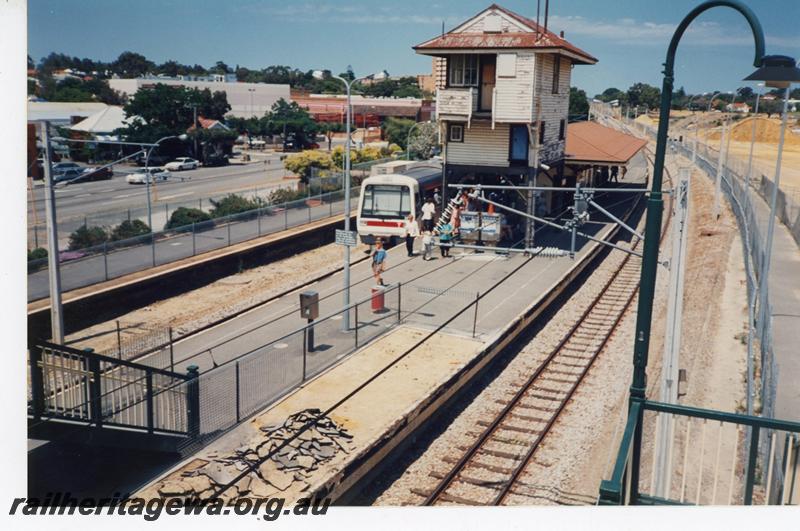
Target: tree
column 132, row 64
column 423, row 140
column 302, row 164
column 290, row 118
column 644, row 95
column 611, row 94
column 220, row 68
column 168, row 110
column 578, row 102
column 329, row 129
column 395, row 130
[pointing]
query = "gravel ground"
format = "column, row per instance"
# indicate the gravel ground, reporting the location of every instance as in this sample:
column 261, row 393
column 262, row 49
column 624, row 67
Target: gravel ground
column 201, row 306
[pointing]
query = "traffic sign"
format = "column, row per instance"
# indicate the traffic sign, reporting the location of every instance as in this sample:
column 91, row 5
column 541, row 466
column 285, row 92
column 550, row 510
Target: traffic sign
column 347, row 238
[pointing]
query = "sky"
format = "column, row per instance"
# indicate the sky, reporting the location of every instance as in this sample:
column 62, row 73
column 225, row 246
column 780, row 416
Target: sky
column 629, row 37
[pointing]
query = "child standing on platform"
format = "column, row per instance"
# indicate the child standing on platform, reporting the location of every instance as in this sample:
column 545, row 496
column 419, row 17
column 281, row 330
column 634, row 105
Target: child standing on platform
column 427, row 245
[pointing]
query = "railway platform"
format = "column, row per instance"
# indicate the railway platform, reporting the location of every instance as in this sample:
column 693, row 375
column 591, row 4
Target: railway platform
column 453, row 318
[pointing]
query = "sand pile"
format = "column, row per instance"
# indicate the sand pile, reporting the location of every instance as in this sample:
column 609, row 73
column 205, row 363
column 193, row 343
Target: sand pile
column 644, row 119
column 767, row 131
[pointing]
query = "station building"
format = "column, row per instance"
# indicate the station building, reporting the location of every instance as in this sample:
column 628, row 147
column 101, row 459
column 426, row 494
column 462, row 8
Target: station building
column 502, row 99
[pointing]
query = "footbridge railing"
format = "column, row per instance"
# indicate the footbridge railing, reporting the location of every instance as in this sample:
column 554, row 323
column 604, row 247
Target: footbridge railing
column 72, row 389
column 713, row 459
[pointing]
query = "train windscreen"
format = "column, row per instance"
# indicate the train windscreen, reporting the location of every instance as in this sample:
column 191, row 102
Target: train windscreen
column 386, row 201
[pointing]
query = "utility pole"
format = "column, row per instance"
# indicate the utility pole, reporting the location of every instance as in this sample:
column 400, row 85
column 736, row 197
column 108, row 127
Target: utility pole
column 672, row 337
column 56, row 311
column 718, row 179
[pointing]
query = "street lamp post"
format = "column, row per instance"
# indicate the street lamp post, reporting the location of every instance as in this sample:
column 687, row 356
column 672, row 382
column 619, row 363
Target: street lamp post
column 149, row 175
column 655, row 206
column 53, row 266
column 318, row 74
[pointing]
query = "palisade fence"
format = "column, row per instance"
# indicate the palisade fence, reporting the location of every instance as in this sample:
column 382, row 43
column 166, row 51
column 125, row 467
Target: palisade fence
column 733, row 185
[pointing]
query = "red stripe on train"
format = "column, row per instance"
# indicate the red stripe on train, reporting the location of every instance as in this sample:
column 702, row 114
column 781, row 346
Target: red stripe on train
column 393, row 224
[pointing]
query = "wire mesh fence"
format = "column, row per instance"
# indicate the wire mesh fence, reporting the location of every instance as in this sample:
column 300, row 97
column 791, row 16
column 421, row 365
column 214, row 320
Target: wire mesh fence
column 248, row 383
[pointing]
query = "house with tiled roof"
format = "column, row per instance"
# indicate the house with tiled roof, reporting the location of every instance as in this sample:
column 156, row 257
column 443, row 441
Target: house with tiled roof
column 502, row 97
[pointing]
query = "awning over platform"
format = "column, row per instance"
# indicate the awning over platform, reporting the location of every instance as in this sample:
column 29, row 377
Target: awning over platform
column 590, row 143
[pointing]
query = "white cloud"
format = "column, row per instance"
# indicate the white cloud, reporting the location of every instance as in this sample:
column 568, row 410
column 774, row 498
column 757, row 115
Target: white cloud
column 645, row 33
column 352, row 14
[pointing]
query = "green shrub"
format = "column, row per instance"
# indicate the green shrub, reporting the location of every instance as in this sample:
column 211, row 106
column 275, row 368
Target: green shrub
column 186, row 216
column 285, row 195
column 87, row 237
column 234, row 204
column 37, row 254
column 129, row 229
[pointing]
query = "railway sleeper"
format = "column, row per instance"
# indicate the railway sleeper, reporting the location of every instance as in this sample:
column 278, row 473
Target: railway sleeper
column 492, row 468
column 493, row 484
column 511, row 427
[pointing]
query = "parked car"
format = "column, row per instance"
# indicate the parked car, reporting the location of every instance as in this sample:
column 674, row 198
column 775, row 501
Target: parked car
column 68, row 175
column 182, row 163
column 61, row 167
column 94, row 174
column 143, row 175
column 215, row 160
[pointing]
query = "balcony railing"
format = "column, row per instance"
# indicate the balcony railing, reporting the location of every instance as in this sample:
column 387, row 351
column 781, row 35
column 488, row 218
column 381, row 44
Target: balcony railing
column 456, row 102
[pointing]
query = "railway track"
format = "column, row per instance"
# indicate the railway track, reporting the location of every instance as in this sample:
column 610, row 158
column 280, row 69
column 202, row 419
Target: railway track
column 489, row 471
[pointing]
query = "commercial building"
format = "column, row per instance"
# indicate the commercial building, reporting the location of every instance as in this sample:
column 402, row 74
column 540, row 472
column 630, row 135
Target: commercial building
column 246, row 99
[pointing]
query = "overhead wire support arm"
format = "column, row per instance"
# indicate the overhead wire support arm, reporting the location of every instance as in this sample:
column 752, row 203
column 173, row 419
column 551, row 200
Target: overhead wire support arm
column 615, row 218
column 556, row 225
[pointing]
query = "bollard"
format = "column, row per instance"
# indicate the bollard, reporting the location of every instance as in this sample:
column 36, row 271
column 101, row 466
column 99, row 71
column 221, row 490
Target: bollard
column 105, row 259
column 194, row 240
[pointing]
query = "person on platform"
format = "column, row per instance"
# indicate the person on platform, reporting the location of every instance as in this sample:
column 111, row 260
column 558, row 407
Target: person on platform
column 412, row 232
column 427, row 245
column 428, row 210
column 378, row 262
column 445, row 238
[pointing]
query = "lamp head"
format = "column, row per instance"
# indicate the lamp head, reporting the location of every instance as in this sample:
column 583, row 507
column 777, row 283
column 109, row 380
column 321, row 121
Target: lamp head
column 777, row 71
column 183, row 136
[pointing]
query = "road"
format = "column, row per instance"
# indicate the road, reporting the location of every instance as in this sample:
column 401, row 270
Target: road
column 108, row 203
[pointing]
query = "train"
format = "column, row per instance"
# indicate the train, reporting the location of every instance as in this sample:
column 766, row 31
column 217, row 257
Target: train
column 387, row 198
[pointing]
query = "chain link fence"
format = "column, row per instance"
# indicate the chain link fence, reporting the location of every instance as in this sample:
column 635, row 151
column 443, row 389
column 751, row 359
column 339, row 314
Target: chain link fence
column 114, row 259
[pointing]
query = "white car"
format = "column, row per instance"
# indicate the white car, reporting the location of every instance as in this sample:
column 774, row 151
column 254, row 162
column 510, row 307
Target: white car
column 143, row 175
column 182, row 163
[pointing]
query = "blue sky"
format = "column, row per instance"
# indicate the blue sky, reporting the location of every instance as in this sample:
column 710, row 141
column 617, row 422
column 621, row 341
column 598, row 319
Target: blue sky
column 629, row 37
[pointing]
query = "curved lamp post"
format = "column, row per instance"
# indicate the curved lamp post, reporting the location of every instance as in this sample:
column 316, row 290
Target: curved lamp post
column 655, row 205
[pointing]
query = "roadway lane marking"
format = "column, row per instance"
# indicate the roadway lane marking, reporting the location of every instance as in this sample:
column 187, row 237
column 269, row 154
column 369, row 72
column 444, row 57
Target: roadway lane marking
column 176, row 243
column 176, row 195
column 83, row 195
column 123, row 196
column 107, row 190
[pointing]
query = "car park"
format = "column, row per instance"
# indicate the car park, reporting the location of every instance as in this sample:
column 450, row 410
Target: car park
column 143, row 175
column 182, row 163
